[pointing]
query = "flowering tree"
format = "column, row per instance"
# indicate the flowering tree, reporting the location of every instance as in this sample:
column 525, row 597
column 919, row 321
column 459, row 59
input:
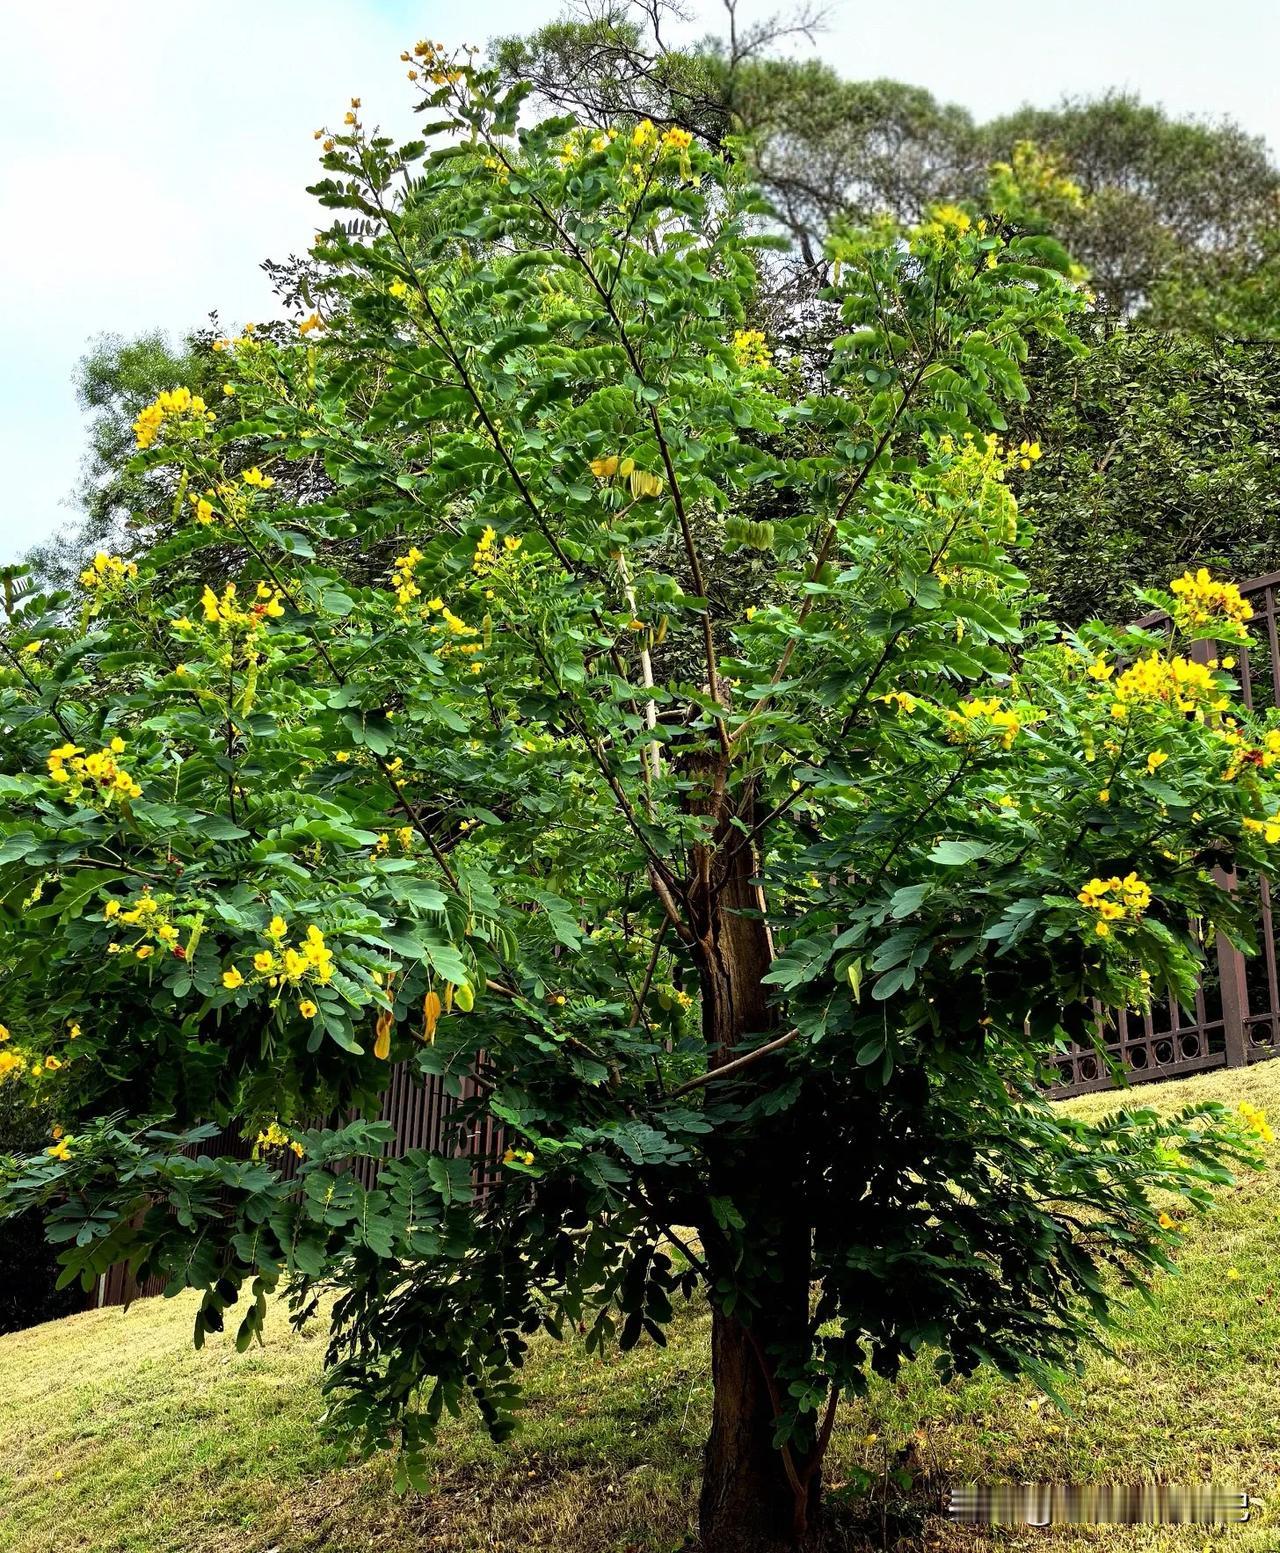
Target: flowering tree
column 639, row 720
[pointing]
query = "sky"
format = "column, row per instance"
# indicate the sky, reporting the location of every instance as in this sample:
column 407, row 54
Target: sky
column 152, row 155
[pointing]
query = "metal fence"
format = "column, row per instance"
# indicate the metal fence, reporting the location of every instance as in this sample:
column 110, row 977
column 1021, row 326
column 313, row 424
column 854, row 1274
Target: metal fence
column 1236, row 1013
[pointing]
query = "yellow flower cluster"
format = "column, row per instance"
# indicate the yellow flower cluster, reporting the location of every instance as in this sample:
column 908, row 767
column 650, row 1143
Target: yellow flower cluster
column 402, row 578
column 750, row 349
column 1177, row 682
column 969, row 716
column 106, row 578
column 99, row 772
column 1115, row 899
column 406, row 836
column 488, row 557
column 12, row 1063
column 155, row 929
column 433, row 57
column 311, row 322
column 1033, row 176
column 225, row 613
column 1201, row 600
column 172, row 404
column 281, row 965
column 1255, row 1121
column 1244, row 755
column 581, row 141
column 641, row 482
column 990, row 457
column 273, row 1136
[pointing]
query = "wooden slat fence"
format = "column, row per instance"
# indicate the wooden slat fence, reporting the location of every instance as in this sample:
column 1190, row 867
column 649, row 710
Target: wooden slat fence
column 419, row 1109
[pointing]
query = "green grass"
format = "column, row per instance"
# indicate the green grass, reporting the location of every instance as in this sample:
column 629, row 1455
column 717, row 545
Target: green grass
column 120, row 1438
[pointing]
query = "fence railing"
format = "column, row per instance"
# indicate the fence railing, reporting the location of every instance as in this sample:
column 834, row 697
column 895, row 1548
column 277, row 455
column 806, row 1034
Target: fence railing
column 1236, row 1012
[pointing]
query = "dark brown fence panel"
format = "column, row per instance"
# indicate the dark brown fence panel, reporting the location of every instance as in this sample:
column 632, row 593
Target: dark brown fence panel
column 417, row 1106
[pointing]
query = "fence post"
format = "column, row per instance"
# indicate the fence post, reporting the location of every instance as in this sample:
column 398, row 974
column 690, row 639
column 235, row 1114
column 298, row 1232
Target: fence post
column 1235, row 992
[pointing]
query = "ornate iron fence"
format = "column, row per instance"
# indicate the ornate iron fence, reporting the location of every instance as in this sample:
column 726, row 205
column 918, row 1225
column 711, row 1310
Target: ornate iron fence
column 1236, row 1013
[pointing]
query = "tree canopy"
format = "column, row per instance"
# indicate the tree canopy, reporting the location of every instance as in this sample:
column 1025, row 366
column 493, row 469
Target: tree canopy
column 548, row 677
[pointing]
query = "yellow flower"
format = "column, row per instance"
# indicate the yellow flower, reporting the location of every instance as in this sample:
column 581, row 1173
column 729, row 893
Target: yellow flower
column 52, row 1064
column 308, row 1009
column 232, row 979
column 1201, row 600
column 1233, row 1273
column 751, row 350
column 256, row 477
column 59, row 1150
column 277, row 928
column 144, row 951
column 1166, row 1222
column 398, row 288
column 1155, row 760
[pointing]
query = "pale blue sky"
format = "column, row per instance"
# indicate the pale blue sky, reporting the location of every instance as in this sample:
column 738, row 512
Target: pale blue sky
column 151, row 154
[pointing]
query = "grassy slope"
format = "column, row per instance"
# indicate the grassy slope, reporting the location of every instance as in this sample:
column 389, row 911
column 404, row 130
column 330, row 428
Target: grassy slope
column 119, row 1437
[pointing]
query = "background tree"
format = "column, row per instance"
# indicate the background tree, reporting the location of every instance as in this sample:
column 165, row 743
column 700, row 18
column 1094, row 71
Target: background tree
column 1160, row 452
column 1169, row 205
column 754, row 921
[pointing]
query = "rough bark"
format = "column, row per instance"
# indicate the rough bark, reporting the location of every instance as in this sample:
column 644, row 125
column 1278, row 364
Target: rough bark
column 754, row 1498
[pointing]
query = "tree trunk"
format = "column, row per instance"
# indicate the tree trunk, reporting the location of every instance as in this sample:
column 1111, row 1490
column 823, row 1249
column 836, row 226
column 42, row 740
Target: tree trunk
column 748, row 1503
column 755, row 1498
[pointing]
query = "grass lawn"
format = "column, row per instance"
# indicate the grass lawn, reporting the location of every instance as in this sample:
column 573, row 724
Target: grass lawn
column 120, row 1438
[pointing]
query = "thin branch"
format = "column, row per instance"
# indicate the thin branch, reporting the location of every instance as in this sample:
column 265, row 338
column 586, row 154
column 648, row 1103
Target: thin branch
column 726, row 1070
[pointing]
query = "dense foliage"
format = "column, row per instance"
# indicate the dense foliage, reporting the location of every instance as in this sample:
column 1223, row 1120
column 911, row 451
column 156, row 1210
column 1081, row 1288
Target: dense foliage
column 544, row 678
column 1160, row 453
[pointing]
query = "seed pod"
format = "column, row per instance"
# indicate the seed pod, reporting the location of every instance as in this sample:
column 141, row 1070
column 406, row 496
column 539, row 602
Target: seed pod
column 465, row 998
column 486, row 626
column 382, row 1045
column 430, row 1015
